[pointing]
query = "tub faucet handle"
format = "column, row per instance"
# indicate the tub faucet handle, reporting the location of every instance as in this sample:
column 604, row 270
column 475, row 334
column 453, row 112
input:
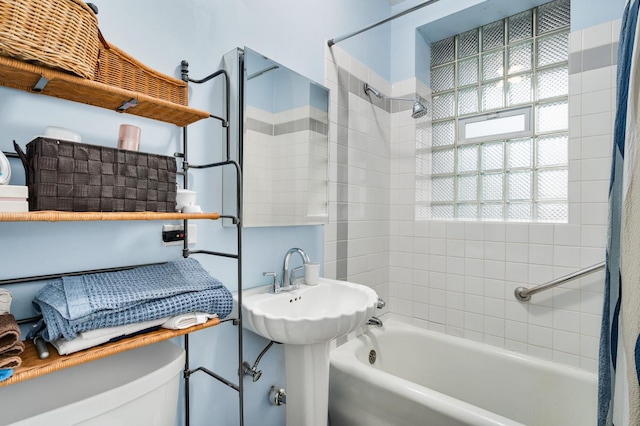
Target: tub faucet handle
column 381, row 303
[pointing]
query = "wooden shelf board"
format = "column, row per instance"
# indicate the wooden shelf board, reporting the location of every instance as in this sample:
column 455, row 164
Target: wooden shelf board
column 32, row 366
column 24, row 76
column 58, row 216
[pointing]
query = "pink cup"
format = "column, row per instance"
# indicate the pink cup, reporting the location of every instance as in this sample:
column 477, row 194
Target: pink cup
column 129, row 137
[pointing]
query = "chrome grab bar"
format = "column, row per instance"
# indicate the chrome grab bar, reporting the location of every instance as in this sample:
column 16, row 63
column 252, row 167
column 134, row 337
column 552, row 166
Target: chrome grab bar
column 523, row 294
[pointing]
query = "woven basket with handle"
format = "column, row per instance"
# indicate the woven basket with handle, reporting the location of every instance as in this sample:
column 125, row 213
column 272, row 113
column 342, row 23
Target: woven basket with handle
column 78, row 177
column 60, row 34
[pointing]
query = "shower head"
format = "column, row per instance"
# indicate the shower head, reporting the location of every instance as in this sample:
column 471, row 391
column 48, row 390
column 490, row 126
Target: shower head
column 418, row 110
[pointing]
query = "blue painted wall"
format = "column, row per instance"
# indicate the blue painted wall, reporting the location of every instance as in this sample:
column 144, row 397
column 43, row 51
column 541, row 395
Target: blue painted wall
column 160, row 33
column 587, row 13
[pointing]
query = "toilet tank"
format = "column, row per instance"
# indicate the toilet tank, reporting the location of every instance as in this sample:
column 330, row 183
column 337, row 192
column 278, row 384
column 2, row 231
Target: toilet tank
column 137, row 387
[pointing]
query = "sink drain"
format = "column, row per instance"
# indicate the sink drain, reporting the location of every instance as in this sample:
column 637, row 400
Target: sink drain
column 372, row 357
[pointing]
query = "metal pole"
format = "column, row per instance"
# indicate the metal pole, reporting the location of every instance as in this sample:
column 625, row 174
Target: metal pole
column 9, row 281
column 383, row 21
column 187, row 373
column 523, row 294
column 239, row 322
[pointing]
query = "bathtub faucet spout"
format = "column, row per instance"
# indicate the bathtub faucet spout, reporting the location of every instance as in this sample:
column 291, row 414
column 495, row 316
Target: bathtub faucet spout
column 375, row 321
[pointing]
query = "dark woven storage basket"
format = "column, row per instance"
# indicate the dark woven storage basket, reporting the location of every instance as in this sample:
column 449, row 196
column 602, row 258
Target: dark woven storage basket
column 71, row 176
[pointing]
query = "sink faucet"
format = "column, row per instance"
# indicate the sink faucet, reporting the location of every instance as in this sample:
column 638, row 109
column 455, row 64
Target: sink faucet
column 287, row 276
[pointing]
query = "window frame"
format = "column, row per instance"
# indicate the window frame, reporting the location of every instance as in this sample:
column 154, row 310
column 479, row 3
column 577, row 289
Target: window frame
column 485, row 117
column 542, row 208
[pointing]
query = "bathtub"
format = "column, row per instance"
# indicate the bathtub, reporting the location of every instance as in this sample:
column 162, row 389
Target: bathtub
column 421, row 377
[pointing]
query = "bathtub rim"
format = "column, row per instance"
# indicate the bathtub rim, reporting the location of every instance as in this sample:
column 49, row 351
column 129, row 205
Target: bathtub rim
column 475, row 345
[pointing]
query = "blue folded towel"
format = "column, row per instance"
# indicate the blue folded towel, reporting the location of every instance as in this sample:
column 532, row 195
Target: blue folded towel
column 71, row 305
column 5, row 373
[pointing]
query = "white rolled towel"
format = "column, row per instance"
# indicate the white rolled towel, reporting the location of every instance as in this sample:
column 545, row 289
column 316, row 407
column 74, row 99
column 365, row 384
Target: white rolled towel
column 180, row 322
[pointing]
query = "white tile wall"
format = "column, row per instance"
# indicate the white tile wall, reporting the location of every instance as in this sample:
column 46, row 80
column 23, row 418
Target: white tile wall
column 597, row 35
column 368, row 167
column 459, row 277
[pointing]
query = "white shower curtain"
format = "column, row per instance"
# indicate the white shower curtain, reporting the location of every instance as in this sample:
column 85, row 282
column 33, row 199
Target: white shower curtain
column 619, row 376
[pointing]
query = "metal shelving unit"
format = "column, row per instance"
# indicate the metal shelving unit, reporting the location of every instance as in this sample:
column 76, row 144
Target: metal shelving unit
column 228, row 162
column 29, row 77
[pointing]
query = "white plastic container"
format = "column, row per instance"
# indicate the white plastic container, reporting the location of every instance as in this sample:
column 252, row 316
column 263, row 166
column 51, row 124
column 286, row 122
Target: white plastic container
column 138, row 387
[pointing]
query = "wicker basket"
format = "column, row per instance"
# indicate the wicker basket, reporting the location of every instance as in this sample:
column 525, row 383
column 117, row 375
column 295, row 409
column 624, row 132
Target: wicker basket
column 117, row 68
column 60, row 34
column 72, row 176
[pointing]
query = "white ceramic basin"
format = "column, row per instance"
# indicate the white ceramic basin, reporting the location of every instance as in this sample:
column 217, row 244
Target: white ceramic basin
column 311, row 314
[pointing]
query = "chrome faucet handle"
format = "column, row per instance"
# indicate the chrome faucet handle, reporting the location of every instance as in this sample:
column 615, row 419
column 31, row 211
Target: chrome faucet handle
column 275, row 287
column 292, row 281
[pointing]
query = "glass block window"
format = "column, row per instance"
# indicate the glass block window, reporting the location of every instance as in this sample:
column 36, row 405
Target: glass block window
column 518, row 65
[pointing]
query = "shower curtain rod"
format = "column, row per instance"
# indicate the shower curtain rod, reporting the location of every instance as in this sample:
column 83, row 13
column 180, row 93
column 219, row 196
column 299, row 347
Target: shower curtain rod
column 383, row 21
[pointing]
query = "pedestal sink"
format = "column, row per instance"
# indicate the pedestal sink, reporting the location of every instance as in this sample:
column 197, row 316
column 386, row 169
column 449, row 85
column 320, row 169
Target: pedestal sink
column 305, row 321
